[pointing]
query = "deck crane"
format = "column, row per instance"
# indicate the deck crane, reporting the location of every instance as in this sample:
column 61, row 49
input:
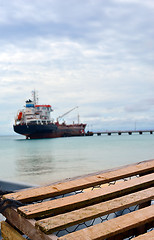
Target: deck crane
column 66, row 113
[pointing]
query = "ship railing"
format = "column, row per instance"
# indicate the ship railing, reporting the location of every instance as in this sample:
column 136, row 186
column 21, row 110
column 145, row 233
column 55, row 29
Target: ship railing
column 38, row 122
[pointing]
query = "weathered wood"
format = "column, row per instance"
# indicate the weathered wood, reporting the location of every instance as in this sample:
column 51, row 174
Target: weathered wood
column 9, row 233
column 56, row 223
column 145, row 236
column 85, row 199
column 114, row 226
column 26, row 226
column 76, row 209
column 81, row 183
column 131, row 232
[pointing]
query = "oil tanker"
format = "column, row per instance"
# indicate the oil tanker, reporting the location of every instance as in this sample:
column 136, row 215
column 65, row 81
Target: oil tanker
column 34, row 122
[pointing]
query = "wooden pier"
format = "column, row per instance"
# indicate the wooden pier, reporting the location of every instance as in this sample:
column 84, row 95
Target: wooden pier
column 114, row 205
column 109, row 133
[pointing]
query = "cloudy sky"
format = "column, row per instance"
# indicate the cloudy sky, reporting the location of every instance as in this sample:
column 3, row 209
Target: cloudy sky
column 95, row 54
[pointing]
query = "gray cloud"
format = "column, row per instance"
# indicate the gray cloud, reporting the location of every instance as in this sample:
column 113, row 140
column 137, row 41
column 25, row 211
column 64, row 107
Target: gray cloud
column 97, row 54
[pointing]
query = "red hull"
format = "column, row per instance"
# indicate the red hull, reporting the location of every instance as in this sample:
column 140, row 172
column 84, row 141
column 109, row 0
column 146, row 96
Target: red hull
column 52, row 130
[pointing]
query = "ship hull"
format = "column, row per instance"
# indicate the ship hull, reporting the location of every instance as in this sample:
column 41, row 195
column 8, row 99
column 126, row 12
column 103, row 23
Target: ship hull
column 51, row 130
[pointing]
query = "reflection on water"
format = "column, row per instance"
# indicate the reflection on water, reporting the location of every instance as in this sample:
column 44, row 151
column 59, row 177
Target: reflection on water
column 34, row 160
column 34, row 165
column 49, row 160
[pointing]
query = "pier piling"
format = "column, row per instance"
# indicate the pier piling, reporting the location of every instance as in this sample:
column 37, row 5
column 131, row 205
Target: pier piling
column 109, row 133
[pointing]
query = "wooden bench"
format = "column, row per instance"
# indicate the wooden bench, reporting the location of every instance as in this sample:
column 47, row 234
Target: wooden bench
column 114, row 204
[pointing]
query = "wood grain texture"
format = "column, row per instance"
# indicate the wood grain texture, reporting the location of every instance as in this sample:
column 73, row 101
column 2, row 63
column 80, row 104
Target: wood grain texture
column 74, row 209
column 34, row 194
column 59, row 222
column 114, row 226
column 26, row 226
column 145, row 236
column 86, row 199
column 9, row 233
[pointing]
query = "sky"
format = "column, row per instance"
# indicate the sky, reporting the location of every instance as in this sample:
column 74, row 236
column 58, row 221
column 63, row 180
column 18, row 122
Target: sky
column 95, row 54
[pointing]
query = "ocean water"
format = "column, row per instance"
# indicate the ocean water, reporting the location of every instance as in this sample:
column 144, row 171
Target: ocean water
column 44, row 161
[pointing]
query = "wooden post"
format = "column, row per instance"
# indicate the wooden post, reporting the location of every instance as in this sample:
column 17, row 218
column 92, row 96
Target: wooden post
column 9, row 233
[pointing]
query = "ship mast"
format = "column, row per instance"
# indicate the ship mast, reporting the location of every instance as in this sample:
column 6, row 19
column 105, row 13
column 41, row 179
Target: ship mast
column 35, row 98
column 78, row 118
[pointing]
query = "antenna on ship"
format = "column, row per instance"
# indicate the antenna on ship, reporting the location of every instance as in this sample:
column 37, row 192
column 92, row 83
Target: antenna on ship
column 35, row 97
column 78, row 118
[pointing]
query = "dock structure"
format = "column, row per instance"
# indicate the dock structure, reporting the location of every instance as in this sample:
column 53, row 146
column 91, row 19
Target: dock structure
column 113, row 204
column 120, row 132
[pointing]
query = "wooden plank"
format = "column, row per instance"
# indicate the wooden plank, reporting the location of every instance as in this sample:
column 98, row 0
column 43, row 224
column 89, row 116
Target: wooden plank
column 145, row 236
column 34, row 194
column 59, row 222
column 26, row 226
column 9, row 233
column 114, row 226
column 85, row 199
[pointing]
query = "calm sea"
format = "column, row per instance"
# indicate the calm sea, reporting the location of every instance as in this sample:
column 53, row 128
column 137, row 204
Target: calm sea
column 49, row 160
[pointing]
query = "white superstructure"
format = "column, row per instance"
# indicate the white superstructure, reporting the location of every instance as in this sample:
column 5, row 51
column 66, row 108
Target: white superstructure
column 34, row 113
